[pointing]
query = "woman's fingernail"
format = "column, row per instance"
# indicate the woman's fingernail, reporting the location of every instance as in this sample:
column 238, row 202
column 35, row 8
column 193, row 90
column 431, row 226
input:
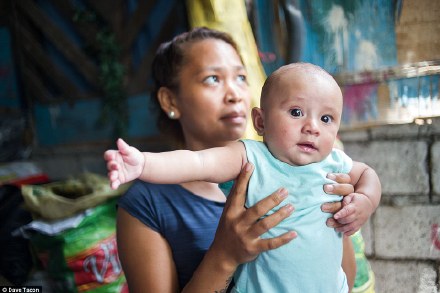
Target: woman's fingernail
column 248, row 167
column 331, row 176
column 292, row 234
column 328, row 188
column 283, row 193
column 289, row 207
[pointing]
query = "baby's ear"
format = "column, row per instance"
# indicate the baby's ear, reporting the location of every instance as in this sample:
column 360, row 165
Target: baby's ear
column 258, row 120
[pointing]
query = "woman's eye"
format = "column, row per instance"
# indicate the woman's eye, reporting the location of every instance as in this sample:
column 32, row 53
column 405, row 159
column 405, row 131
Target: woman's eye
column 326, row 119
column 242, row 78
column 211, row 79
column 296, row 113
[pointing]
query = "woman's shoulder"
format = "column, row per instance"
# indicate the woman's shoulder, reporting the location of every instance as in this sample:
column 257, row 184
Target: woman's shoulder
column 141, row 191
column 148, row 201
column 143, row 195
column 156, row 204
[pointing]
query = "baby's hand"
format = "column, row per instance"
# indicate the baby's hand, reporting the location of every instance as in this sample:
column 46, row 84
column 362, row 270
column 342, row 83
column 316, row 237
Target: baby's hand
column 124, row 164
column 356, row 209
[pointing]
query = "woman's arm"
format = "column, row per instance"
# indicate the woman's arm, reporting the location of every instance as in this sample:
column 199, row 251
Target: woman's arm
column 145, row 256
column 237, row 238
column 349, row 261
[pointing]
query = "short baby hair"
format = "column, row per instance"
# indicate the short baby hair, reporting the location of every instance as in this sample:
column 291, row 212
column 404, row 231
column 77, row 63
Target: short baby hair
column 300, row 68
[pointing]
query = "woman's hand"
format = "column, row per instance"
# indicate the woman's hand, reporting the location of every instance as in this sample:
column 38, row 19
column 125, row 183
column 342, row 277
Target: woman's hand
column 350, row 213
column 237, row 239
column 238, row 234
column 342, row 188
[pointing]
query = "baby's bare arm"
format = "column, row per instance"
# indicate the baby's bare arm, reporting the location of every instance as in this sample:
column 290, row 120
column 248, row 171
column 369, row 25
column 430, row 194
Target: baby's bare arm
column 214, row 165
column 366, row 182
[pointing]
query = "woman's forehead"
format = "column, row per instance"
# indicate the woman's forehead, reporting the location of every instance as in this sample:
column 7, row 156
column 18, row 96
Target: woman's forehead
column 209, row 51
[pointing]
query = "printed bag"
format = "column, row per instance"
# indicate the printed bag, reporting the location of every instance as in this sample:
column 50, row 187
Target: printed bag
column 85, row 258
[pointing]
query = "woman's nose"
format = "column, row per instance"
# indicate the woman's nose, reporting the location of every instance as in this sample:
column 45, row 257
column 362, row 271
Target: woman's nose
column 233, row 94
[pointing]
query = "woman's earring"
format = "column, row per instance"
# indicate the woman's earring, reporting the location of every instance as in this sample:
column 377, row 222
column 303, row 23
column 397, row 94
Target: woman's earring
column 171, row 114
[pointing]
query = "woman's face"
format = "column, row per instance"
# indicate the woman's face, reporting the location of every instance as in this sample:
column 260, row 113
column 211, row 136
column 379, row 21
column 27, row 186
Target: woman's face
column 213, row 98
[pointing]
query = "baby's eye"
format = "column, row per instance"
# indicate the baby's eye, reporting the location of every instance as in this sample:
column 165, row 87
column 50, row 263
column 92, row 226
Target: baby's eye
column 296, row 112
column 211, row 79
column 326, row 119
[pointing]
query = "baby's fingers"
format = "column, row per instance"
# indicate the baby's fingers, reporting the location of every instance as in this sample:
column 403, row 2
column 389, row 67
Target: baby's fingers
column 110, row 155
column 345, row 214
column 113, row 176
column 123, row 147
column 112, row 165
column 115, row 184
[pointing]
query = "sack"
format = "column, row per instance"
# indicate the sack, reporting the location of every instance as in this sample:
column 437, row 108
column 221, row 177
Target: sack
column 63, row 199
column 85, row 258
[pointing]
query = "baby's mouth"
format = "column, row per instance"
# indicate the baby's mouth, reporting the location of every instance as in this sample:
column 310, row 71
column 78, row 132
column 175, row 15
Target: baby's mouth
column 307, row 147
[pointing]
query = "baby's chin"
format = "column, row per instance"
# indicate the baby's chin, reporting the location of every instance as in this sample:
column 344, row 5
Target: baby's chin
column 304, row 160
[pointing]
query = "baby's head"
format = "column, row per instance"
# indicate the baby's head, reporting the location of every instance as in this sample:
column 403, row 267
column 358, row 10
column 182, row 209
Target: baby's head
column 300, row 114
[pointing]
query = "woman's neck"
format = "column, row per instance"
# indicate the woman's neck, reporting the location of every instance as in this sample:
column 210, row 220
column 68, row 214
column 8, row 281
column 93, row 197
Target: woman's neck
column 206, row 190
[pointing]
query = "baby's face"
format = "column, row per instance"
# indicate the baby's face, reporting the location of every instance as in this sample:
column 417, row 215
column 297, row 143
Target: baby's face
column 302, row 114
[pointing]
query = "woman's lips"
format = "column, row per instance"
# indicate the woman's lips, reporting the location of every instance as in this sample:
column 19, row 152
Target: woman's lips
column 235, row 118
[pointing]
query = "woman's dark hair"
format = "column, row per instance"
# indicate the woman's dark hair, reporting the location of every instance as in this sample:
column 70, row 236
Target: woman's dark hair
column 166, row 67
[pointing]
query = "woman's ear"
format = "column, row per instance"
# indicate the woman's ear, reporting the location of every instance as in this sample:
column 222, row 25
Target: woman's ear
column 167, row 101
column 258, row 120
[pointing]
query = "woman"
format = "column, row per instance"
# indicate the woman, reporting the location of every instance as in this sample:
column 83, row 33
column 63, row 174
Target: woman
column 166, row 242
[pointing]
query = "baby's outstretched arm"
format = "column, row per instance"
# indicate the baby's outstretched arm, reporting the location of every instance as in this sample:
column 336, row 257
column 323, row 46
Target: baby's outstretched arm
column 124, row 164
column 214, row 165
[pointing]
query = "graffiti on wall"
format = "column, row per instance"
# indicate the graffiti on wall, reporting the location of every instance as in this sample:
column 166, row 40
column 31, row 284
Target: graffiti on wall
column 350, row 36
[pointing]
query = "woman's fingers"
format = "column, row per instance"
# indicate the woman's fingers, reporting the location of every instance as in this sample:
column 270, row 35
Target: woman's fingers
column 262, row 207
column 342, row 186
column 331, row 207
column 237, row 196
column 271, row 221
column 332, row 223
column 342, row 189
column 339, row 177
column 272, row 243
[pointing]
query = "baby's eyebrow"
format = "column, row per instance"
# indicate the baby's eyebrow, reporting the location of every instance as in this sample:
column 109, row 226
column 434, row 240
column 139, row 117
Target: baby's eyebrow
column 293, row 99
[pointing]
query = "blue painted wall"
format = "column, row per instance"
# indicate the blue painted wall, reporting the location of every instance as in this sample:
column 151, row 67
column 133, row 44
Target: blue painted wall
column 78, row 123
column 9, row 95
column 338, row 35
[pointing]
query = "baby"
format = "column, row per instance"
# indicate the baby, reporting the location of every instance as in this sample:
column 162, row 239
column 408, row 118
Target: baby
column 300, row 115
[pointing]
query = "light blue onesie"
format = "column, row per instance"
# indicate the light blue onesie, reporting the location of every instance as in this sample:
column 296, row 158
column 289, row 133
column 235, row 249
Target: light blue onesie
column 312, row 261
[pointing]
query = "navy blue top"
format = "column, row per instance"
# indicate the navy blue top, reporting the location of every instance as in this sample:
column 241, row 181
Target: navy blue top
column 187, row 221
